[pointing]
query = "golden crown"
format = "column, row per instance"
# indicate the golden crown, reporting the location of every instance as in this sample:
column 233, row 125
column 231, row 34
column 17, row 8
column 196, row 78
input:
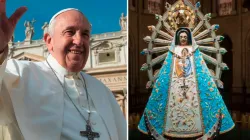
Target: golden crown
column 180, row 15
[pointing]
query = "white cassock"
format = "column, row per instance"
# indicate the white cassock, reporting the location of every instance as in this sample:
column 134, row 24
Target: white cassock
column 34, row 106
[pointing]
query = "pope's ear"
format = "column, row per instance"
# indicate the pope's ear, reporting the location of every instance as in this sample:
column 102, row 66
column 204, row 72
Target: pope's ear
column 47, row 40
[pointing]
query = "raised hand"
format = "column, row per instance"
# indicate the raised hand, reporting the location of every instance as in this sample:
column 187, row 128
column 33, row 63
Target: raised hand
column 7, row 25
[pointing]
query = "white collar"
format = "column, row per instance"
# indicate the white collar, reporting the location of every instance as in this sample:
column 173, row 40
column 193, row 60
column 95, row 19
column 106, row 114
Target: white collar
column 60, row 70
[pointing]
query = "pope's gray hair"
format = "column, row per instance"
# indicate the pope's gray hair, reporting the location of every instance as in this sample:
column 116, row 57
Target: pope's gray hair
column 53, row 20
column 51, row 27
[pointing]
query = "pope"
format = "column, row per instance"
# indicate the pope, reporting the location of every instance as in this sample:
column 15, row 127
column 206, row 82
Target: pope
column 54, row 99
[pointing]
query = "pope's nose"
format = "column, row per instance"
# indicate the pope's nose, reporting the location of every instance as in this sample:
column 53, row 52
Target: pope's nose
column 78, row 40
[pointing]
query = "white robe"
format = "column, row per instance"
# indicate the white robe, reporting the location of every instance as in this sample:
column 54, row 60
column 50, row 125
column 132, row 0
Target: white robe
column 32, row 103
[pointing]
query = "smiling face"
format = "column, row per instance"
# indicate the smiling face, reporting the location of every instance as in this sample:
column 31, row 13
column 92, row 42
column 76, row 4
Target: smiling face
column 183, row 39
column 69, row 41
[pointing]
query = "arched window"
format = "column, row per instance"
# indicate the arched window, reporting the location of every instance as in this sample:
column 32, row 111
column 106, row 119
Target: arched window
column 132, row 5
column 246, row 4
column 154, row 6
column 170, row 1
column 225, row 7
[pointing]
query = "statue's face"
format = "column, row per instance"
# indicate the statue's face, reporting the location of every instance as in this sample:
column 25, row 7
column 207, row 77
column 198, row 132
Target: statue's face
column 183, row 39
column 69, row 43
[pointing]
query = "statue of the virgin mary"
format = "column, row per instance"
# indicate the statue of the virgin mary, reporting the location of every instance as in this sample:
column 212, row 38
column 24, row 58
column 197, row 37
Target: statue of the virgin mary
column 185, row 101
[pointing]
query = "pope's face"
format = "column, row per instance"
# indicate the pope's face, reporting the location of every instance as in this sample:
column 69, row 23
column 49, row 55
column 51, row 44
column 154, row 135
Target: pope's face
column 69, row 42
column 183, row 39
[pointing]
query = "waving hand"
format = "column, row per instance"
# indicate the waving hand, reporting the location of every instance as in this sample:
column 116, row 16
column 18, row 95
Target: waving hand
column 7, row 25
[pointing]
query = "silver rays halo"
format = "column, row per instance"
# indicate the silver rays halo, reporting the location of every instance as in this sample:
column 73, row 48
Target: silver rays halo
column 204, row 35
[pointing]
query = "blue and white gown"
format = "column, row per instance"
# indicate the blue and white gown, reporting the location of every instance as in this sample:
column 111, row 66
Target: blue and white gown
column 185, row 100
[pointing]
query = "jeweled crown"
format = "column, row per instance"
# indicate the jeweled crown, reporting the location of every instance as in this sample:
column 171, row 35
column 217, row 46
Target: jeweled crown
column 180, row 15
